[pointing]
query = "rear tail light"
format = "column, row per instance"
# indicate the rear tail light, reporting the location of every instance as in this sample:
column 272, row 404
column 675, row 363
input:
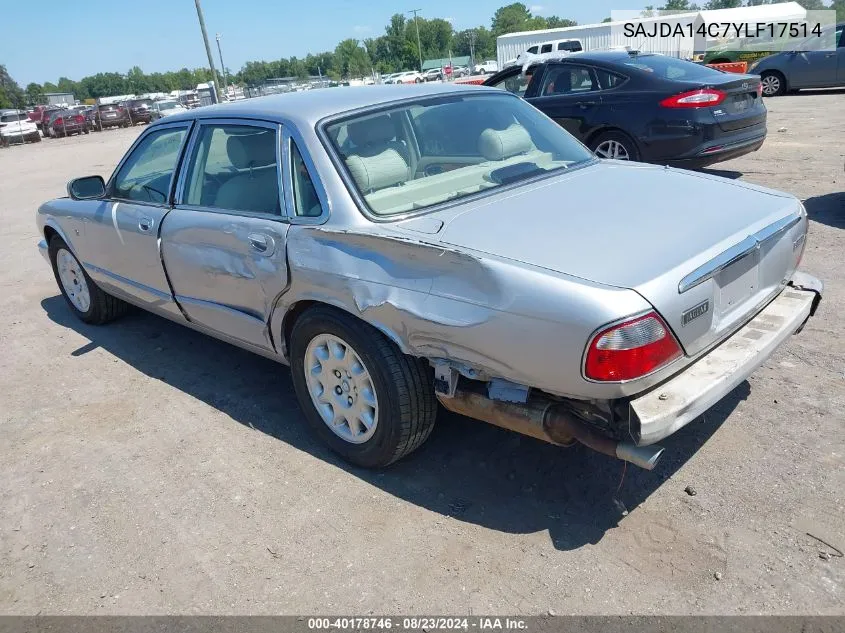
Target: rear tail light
column 760, row 90
column 59, row 121
column 631, row 349
column 80, row 118
column 703, row 98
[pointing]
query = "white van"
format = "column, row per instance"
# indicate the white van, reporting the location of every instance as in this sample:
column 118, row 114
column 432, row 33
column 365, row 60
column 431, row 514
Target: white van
column 544, row 48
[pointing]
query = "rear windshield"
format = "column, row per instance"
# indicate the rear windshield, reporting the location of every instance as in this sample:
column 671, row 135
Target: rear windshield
column 671, row 68
column 11, row 117
column 432, row 151
column 140, row 102
column 111, row 106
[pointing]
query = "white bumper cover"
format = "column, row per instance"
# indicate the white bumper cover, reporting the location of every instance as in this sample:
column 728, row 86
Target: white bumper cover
column 681, row 399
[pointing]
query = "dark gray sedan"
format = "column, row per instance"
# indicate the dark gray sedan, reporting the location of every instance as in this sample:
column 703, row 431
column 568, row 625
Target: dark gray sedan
column 814, row 64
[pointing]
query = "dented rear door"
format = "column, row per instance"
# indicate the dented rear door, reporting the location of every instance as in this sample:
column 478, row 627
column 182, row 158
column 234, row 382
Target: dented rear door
column 223, row 246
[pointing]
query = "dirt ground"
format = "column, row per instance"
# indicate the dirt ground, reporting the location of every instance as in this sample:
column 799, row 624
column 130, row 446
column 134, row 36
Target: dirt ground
column 146, row 469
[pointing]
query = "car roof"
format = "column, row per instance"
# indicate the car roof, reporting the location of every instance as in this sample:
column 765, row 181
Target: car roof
column 308, row 107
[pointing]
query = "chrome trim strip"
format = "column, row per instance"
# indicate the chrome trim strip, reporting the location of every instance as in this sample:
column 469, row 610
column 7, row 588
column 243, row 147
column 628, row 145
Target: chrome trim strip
column 735, row 253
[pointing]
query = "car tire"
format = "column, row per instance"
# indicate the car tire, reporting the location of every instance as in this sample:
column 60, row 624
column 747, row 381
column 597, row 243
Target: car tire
column 86, row 300
column 616, row 145
column 774, row 83
column 394, row 391
column 36, row 138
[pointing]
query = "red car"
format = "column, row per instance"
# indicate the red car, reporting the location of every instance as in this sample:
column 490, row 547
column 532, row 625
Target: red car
column 65, row 123
column 39, row 113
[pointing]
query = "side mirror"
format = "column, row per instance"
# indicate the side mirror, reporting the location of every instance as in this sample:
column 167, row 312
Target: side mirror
column 87, row 188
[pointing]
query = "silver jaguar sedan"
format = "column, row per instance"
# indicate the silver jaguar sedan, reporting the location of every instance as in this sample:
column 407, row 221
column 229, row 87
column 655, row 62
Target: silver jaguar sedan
column 404, row 246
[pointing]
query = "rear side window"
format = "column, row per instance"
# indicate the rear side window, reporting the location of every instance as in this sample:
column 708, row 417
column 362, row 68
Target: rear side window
column 547, row 48
column 562, row 80
column 572, row 47
column 12, row 117
column 671, row 68
column 305, row 200
column 608, row 80
column 233, row 168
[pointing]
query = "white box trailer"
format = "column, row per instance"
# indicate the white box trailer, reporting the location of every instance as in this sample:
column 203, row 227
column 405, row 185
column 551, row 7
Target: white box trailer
column 683, row 43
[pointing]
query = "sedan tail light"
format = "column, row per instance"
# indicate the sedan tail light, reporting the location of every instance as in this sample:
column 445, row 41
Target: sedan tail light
column 59, row 121
column 79, row 118
column 760, row 90
column 631, row 349
column 702, row 98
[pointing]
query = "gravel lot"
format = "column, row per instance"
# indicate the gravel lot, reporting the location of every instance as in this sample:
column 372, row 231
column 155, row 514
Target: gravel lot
column 147, row 469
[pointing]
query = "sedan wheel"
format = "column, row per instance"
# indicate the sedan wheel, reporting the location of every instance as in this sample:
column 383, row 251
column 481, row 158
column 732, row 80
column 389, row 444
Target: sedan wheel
column 85, row 298
column 772, row 84
column 361, row 395
column 73, row 281
column 612, row 149
column 341, row 388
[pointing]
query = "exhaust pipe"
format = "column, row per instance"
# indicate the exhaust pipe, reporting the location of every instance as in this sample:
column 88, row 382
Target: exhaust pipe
column 550, row 422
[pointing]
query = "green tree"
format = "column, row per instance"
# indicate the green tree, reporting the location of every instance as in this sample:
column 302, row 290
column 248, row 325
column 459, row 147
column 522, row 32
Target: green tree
column 352, row 60
column 510, row 19
column 11, row 95
column 812, row 5
column 839, row 7
column 723, row 4
column 607, row 20
column 679, row 5
column 554, row 22
column 34, row 94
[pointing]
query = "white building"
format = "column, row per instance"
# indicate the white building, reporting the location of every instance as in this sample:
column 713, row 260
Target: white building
column 612, row 34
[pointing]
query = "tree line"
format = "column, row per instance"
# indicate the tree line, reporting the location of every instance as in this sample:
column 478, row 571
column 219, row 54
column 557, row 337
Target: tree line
column 397, row 49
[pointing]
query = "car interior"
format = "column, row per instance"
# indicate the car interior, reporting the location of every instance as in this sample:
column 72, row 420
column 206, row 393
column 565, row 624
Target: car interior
column 417, row 156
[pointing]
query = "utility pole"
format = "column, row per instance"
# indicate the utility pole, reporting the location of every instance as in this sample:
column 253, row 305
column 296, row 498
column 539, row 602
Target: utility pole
column 472, row 51
column 223, row 66
column 417, row 25
column 208, row 52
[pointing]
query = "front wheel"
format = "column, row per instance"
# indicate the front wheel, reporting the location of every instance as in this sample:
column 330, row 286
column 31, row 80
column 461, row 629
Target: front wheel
column 615, row 145
column 366, row 400
column 87, row 301
column 774, row 84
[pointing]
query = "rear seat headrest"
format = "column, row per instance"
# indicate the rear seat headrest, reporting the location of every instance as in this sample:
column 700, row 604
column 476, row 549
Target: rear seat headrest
column 372, row 131
column 502, row 144
column 372, row 173
column 252, row 150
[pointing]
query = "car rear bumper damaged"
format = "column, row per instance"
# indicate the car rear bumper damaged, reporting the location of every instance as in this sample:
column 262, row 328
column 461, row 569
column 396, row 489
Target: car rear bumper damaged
column 680, row 400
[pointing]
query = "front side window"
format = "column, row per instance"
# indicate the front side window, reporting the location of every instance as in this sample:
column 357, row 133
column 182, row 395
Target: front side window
column 546, row 48
column 437, row 150
column 516, row 82
column 233, row 167
column 148, row 172
column 532, row 50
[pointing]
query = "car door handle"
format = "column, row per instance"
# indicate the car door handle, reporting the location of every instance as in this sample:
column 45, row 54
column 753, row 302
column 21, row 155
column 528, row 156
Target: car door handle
column 145, row 224
column 587, row 104
column 260, row 243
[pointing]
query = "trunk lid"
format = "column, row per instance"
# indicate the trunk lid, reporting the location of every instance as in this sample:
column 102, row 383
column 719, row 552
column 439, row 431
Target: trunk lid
column 662, row 226
column 743, row 106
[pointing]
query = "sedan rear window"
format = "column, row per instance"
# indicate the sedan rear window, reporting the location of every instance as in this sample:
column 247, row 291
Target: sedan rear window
column 432, row 151
column 13, row 116
column 671, row 68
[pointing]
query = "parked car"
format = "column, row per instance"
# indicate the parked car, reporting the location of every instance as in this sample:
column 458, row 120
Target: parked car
column 466, row 256
column 92, row 117
column 165, row 108
column 645, row 107
column 140, row 110
column 484, row 68
column 460, row 71
column 66, row 122
column 112, row 115
column 38, row 113
column 811, row 65
column 407, row 77
column 17, row 127
column 433, row 74
column 544, row 48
